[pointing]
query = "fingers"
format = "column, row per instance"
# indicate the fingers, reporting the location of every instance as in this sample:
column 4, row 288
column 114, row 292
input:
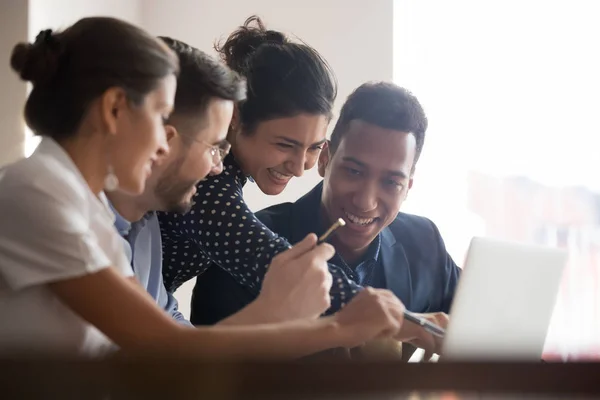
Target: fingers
column 298, row 249
column 321, row 253
column 392, row 311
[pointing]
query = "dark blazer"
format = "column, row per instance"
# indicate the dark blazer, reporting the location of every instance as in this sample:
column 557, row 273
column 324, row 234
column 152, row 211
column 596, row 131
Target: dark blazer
column 416, row 265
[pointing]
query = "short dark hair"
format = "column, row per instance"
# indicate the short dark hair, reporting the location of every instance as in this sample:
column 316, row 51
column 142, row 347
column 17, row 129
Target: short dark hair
column 385, row 105
column 202, row 78
column 69, row 69
column 284, row 78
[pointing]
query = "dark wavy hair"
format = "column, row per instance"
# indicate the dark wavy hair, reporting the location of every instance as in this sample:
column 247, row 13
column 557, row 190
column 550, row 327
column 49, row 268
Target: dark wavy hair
column 284, row 78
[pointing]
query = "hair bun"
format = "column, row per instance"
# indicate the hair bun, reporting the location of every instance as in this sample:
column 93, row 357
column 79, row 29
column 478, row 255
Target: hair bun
column 275, row 37
column 37, row 62
column 242, row 43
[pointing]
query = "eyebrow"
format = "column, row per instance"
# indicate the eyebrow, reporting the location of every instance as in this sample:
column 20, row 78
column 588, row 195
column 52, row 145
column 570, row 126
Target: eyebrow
column 297, row 143
column 353, row 160
column 220, row 142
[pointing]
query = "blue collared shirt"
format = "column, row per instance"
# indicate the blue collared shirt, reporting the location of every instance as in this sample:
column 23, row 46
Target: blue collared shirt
column 369, row 271
column 143, row 246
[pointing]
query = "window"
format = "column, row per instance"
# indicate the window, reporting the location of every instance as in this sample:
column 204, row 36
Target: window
column 512, row 90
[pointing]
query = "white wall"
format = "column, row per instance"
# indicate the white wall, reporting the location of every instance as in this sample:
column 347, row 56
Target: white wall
column 60, row 14
column 13, row 29
column 355, row 36
column 21, row 20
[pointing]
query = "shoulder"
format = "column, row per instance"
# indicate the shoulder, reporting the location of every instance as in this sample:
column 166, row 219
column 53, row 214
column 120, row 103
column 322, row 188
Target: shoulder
column 41, row 182
column 409, row 227
column 276, row 214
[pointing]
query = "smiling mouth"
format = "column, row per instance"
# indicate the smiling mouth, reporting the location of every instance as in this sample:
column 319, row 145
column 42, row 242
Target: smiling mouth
column 355, row 219
column 279, row 176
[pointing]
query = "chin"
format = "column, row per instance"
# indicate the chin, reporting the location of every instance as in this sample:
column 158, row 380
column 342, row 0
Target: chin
column 353, row 241
column 269, row 188
column 133, row 187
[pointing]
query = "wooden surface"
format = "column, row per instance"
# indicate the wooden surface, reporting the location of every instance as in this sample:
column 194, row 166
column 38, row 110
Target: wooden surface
column 173, row 379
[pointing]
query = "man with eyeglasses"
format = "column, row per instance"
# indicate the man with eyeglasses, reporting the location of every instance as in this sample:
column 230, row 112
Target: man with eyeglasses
column 206, row 95
column 204, row 101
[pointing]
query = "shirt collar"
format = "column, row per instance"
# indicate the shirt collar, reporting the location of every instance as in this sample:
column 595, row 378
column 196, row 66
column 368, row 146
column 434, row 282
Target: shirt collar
column 49, row 147
column 232, row 166
column 122, row 225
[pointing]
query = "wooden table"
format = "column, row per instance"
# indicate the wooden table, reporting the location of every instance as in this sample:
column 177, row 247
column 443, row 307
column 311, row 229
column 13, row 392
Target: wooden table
column 178, row 379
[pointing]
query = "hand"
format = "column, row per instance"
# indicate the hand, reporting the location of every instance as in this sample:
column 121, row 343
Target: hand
column 373, row 313
column 417, row 336
column 298, row 282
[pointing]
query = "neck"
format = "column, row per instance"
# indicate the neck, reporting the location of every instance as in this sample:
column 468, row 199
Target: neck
column 132, row 208
column 88, row 153
column 239, row 159
column 352, row 257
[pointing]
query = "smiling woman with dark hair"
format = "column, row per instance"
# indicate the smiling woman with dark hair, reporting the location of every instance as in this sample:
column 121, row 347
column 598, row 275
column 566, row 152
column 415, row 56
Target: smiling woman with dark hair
column 276, row 133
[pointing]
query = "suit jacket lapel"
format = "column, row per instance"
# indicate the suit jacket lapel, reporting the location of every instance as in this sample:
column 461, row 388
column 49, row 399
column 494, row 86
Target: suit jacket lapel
column 305, row 215
column 396, row 268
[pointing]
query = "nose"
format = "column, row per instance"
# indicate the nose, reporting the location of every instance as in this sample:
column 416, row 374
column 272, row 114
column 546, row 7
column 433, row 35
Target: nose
column 217, row 169
column 298, row 164
column 162, row 152
column 365, row 197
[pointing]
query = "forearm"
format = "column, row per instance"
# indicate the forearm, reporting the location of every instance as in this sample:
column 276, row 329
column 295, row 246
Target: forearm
column 268, row 341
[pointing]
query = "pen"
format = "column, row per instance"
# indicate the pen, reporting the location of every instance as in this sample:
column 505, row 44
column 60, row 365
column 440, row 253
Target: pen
column 337, row 224
column 428, row 326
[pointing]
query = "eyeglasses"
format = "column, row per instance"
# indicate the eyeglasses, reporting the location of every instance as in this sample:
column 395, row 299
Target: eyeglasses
column 217, row 151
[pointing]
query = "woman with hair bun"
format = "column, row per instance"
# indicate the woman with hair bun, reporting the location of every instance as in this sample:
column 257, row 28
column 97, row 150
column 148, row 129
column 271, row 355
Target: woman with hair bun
column 276, row 134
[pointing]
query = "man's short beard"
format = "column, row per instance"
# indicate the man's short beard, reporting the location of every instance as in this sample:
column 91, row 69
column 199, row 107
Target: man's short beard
column 172, row 197
column 170, row 193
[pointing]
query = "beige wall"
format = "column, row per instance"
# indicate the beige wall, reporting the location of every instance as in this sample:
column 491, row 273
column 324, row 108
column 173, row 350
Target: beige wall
column 13, row 29
column 21, row 20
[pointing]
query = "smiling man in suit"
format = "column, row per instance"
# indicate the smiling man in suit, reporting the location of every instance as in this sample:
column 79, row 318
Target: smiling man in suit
column 367, row 169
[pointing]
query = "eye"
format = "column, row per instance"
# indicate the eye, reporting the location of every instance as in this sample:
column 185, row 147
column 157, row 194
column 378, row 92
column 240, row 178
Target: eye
column 353, row 171
column 392, row 184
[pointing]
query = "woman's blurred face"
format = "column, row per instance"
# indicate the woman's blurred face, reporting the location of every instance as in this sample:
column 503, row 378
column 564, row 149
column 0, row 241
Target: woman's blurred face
column 279, row 149
column 140, row 138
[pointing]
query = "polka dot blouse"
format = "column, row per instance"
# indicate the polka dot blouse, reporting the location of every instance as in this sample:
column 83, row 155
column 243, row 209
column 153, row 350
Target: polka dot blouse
column 220, row 230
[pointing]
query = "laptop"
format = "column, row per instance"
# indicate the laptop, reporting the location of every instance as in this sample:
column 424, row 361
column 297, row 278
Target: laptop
column 503, row 303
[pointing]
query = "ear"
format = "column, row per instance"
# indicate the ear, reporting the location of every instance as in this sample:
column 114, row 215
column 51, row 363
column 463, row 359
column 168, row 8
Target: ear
column 324, row 159
column 410, row 185
column 171, row 133
column 235, row 124
column 113, row 104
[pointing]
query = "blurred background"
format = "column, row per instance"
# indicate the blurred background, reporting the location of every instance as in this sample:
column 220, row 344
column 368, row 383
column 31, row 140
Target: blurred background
column 511, row 91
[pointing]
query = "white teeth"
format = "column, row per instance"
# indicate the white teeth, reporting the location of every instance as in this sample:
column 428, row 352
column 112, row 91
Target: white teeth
column 279, row 175
column 357, row 220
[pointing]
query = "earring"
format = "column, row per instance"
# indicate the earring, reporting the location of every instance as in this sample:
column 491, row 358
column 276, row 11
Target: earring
column 111, row 182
